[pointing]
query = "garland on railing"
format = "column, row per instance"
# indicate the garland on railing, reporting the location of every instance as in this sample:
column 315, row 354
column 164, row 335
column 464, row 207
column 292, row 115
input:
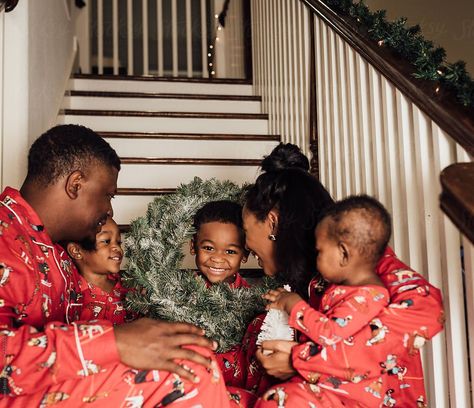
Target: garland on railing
column 429, row 61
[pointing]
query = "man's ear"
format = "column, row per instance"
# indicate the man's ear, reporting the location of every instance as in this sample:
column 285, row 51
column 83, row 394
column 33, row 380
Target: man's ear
column 344, row 254
column 192, row 249
column 74, row 250
column 74, row 183
column 272, row 218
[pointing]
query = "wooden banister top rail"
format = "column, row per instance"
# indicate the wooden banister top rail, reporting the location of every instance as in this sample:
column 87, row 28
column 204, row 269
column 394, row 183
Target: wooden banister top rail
column 8, row 5
column 457, row 197
column 440, row 106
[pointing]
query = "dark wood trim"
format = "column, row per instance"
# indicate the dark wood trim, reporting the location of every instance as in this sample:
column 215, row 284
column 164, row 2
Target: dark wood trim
column 233, row 81
column 124, row 228
column 191, row 161
column 188, row 136
column 247, row 22
column 252, row 273
column 144, row 191
column 9, row 5
column 313, row 116
column 440, row 106
column 101, row 94
column 194, row 115
column 457, row 196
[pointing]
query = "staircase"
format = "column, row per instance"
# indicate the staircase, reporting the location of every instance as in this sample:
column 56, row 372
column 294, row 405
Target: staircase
column 167, row 131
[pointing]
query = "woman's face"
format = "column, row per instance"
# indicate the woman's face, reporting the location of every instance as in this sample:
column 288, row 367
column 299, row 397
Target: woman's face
column 257, row 241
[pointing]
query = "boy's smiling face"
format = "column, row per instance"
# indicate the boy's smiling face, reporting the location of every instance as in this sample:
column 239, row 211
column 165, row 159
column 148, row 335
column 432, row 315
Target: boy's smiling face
column 219, row 251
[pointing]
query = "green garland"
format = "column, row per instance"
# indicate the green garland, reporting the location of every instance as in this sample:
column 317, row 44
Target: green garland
column 429, row 61
column 164, row 291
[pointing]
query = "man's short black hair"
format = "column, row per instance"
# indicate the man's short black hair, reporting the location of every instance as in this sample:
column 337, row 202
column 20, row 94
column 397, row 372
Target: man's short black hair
column 67, row 148
column 363, row 222
column 224, row 211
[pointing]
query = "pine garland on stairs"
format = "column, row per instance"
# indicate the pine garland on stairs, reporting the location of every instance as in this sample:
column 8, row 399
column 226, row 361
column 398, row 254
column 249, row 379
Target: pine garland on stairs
column 428, row 60
column 154, row 248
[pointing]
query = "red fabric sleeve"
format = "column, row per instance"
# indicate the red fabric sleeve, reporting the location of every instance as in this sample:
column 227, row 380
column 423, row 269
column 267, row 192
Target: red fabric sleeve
column 415, row 305
column 354, row 308
column 34, row 357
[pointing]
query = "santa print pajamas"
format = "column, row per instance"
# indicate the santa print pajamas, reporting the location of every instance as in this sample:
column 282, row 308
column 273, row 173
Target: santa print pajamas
column 381, row 368
column 101, row 305
column 50, row 361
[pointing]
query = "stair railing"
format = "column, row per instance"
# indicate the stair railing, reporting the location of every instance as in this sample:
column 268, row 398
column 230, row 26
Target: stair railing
column 162, row 38
column 377, row 130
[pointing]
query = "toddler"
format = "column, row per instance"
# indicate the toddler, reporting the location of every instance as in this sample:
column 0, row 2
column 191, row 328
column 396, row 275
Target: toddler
column 219, row 243
column 219, row 249
column 99, row 266
column 350, row 240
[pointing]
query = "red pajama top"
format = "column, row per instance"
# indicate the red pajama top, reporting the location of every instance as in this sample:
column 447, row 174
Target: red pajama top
column 387, row 356
column 38, row 301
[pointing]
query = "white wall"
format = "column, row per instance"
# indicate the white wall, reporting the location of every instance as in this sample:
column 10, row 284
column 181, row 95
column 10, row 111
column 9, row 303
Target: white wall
column 38, row 55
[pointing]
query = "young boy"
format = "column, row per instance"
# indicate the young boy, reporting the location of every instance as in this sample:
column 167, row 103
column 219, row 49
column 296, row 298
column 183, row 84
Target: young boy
column 350, row 240
column 219, row 243
column 99, row 266
column 219, row 248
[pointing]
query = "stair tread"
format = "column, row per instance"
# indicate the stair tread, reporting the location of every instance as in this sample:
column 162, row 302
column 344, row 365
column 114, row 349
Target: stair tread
column 188, row 136
column 158, row 95
column 196, row 161
column 144, row 191
column 238, row 81
column 203, row 115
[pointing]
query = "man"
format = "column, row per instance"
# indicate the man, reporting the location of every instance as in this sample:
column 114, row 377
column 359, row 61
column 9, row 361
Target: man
column 49, row 358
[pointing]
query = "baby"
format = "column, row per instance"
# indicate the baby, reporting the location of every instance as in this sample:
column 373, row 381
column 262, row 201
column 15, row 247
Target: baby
column 350, row 240
column 99, row 265
column 219, row 243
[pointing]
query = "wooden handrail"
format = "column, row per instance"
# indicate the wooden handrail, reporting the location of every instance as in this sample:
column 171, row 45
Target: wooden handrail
column 457, row 197
column 440, row 106
column 457, row 180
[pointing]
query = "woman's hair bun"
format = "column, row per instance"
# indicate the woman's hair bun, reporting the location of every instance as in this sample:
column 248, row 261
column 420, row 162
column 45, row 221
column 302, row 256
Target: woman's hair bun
column 285, row 156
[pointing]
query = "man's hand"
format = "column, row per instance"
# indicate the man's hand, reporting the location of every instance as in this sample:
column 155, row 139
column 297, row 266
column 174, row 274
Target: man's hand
column 278, row 363
column 155, row 345
column 282, row 299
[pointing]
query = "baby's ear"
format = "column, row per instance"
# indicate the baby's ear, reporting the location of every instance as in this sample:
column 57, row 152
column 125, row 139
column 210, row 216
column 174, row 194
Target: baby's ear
column 74, row 250
column 244, row 258
column 192, row 249
column 344, row 254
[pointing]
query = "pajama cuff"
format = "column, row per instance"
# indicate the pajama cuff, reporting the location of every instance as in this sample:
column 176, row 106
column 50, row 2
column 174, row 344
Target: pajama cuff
column 301, row 305
column 97, row 343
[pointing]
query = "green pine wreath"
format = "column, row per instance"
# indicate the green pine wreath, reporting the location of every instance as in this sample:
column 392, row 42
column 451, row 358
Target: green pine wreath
column 165, row 291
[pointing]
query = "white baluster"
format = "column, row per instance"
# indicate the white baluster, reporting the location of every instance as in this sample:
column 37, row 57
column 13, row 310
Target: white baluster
column 189, row 40
column 145, row 36
column 129, row 37
column 100, row 37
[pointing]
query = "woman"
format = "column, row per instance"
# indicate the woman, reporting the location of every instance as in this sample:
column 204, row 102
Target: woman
column 281, row 211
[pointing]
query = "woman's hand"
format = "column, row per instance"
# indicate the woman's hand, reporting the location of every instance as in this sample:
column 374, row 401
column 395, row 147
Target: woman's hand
column 282, row 299
column 278, row 362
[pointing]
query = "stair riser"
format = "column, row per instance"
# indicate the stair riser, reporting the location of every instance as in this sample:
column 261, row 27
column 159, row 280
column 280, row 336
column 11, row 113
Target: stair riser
column 153, row 176
column 173, row 125
column 127, row 208
column 105, row 85
column 225, row 149
column 160, row 105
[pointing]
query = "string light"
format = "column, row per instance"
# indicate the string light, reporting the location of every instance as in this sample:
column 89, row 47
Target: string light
column 211, row 46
